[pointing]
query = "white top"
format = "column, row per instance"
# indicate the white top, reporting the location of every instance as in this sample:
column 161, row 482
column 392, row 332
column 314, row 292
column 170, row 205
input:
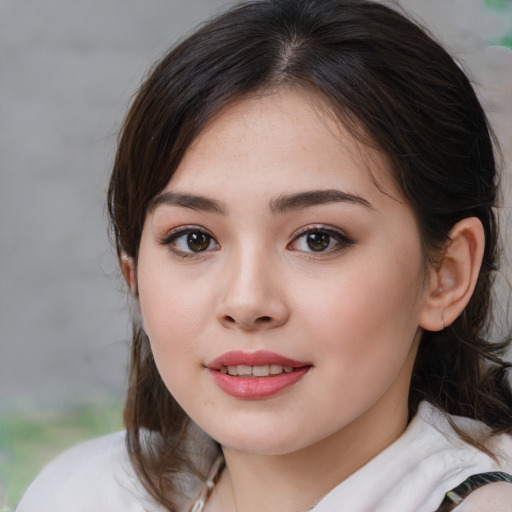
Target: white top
column 411, row 475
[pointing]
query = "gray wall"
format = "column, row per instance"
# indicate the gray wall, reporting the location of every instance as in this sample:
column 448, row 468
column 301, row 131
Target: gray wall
column 67, row 72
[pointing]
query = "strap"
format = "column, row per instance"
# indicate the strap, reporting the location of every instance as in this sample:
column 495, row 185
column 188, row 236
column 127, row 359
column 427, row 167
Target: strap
column 454, row 497
column 211, row 479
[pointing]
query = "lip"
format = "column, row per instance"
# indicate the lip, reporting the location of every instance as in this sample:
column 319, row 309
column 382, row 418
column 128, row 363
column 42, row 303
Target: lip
column 256, row 388
column 259, row 358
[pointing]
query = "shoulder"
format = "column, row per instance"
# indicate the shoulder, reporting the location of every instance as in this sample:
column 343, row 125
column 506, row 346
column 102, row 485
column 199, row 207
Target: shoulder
column 95, row 475
column 455, row 446
column 495, row 497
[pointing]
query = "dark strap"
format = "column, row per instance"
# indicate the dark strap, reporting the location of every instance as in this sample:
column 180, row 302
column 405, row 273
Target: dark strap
column 454, row 497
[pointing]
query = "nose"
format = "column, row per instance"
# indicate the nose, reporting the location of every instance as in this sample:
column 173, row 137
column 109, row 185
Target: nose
column 252, row 295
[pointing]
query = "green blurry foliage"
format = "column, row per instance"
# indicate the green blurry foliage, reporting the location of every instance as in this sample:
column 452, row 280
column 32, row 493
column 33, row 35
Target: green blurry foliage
column 29, row 441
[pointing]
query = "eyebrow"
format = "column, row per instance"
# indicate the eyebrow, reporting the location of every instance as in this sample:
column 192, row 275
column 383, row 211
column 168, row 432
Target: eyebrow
column 285, row 203
column 279, row 205
column 191, row 201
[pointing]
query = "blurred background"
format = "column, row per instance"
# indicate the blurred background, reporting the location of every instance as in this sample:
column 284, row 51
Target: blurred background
column 68, row 69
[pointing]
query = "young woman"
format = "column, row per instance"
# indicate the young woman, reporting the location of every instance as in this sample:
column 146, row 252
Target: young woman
column 303, row 204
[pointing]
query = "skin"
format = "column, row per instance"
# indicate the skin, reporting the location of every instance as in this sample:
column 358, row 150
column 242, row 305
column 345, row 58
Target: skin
column 495, row 497
column 353, row 311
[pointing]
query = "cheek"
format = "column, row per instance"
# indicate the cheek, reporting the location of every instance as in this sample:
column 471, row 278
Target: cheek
column 366, row 317
column 171, row 323
column 169, row 309
column 168, row 296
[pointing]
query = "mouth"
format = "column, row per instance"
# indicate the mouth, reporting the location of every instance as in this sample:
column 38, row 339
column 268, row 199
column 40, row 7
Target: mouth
column 238, row 362
column 256, row 375
column 254, row 372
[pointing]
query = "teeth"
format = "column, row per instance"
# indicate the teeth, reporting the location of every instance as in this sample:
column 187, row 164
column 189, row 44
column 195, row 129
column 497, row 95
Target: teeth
column 276, row 369
column 243, row 370
column 261, row 371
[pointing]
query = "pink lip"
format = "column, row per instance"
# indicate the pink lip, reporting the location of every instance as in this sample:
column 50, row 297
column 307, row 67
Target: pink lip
column 255, row 388
column 260, row 358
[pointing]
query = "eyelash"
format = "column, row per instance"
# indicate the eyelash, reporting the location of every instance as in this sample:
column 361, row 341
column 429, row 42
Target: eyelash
column 342, row 241
column 170, row 239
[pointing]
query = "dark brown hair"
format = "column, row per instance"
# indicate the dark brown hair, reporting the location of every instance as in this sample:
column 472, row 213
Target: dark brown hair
column 394, row 88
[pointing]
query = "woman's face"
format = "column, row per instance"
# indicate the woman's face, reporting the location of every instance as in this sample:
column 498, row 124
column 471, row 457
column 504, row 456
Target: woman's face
column 280, row 287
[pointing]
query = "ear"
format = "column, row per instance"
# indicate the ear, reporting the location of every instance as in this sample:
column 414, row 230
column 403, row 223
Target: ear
column 127, row 265
column 452, row 282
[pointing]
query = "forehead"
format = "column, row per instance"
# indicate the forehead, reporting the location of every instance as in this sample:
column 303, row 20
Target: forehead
column 288, row 135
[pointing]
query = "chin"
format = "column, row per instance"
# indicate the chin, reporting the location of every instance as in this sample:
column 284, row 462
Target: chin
column 262, row 441
column 263, row 447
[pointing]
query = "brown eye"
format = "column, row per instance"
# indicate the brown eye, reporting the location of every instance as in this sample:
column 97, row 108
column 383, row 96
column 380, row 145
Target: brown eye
column 198, row 241
column 187, row 242
column 318, row 240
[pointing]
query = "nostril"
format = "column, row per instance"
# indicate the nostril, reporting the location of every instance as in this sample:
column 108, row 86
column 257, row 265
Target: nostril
column 249, row 322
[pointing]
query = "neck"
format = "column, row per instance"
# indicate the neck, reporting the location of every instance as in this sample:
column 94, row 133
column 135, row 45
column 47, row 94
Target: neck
column 295, row 482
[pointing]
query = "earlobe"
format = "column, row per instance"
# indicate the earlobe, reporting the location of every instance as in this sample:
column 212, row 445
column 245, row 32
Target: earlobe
column 453, row 281
column 127, row 265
